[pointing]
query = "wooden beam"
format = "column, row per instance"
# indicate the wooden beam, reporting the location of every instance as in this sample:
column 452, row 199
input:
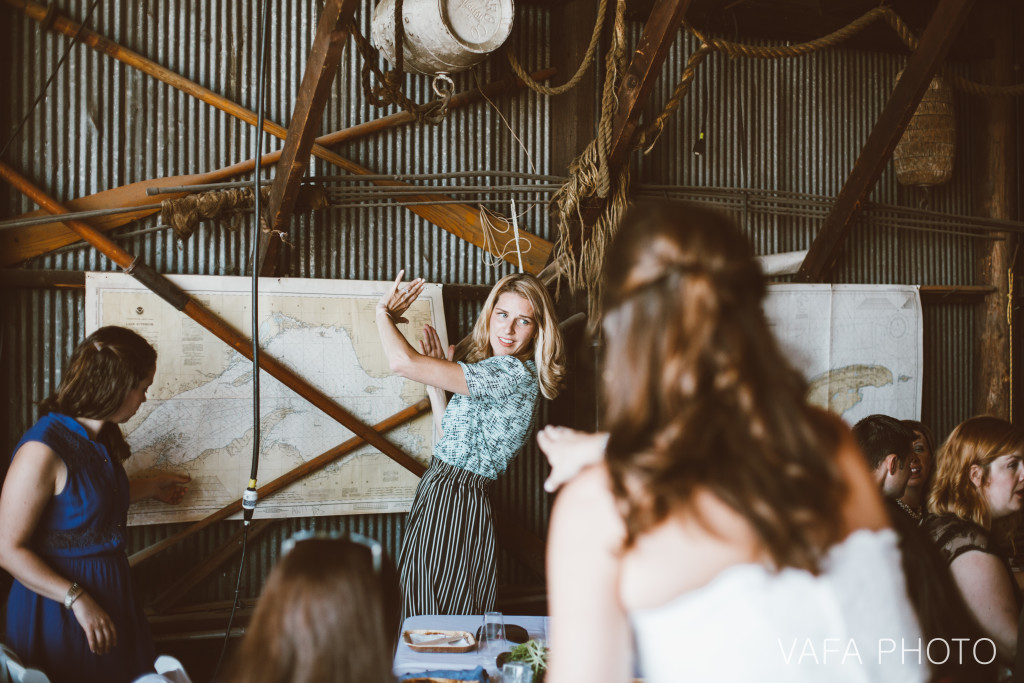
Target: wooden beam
column 321, row 67
column 194, row 576
column 946, row 21
column 173, row 295
column 996, row 187
column 20, row 244
column 290, row 477
column 659, row 33
column 461, row 220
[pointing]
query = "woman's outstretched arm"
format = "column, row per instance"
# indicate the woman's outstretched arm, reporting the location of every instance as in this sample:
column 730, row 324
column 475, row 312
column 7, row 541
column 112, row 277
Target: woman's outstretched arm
column 431, row 346
column 403, row 359
column 590, row 633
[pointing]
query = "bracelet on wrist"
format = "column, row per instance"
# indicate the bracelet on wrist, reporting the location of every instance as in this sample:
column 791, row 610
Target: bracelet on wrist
column 73, row 594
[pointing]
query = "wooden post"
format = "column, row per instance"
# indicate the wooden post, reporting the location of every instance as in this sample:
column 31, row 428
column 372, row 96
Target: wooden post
column 321, row 67
column 994, row 145
column 942, row 29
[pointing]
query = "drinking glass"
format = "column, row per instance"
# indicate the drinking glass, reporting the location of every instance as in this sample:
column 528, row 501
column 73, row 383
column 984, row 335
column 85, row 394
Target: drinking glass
column 516, row 672
column 493, row 633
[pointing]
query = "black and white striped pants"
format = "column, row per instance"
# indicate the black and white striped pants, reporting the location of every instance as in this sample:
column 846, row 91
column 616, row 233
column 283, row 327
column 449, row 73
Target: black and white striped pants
column 446, row 565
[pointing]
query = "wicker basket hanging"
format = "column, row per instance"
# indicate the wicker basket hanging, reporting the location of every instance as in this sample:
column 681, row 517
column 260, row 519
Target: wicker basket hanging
column 924, row 155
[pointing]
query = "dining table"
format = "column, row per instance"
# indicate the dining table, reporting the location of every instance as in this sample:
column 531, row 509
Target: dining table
column 408, row 660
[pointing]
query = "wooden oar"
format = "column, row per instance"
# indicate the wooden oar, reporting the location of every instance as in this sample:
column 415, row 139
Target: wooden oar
column 19, row 244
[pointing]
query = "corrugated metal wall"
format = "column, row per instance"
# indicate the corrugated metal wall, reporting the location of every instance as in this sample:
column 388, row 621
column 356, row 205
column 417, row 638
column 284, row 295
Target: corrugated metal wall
column 794, row 125
column 797, row 125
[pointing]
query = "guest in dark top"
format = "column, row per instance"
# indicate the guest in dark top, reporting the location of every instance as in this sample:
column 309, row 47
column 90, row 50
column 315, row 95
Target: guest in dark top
column 72, row 610
column 922, row 460
column 886, row 445
column 979, row 478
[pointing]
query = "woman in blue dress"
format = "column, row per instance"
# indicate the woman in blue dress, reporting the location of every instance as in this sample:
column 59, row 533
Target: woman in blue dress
column 514, row 353
column 72, row 611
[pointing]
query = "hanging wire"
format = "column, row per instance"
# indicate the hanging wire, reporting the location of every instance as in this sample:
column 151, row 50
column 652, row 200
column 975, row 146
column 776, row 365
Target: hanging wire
column 249, row 497
column 53, row 74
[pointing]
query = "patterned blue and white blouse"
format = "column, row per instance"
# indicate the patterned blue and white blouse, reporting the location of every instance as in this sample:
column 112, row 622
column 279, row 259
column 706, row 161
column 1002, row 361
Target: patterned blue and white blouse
column 485, row 430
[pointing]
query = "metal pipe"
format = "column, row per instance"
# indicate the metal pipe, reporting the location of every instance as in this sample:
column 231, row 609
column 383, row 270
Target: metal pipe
column 41, row 220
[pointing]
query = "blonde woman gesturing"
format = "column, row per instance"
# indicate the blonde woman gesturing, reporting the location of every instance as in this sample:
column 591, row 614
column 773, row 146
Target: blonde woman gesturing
column 513, row 355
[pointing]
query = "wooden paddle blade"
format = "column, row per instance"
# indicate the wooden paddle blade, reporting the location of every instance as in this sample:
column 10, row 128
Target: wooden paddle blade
column 20, row 244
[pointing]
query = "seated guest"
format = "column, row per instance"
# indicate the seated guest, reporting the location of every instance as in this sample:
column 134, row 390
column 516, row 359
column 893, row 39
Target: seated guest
column 886, row 443
column 328, row 614
column 978, row 479
column 921, row 467
column 730, row 528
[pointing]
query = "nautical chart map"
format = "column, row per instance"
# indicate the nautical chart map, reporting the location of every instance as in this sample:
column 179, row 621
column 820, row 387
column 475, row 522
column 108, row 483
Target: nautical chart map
column 198, row 418
column 860, row 346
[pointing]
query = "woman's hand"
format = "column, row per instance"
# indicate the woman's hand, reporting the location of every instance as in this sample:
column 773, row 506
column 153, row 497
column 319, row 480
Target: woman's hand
column 431, row 346
column 165, row 486
column 396, row 302
column 97, row 624
column 170, row 488
column 568, row 451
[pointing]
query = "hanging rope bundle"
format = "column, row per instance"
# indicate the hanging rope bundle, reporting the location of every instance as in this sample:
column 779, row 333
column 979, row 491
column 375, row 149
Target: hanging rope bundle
column 590, row 178
column 228, row 207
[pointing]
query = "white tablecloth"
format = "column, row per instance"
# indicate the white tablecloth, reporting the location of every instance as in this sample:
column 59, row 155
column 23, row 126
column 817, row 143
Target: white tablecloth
column 409, row 661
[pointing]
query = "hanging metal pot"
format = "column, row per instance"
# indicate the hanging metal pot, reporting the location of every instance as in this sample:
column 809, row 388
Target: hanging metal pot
column 443, row 36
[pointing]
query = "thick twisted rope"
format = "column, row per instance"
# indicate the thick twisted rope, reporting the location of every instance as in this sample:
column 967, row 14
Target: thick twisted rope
column 589, row 177
column 649, row 135
column 588, row 59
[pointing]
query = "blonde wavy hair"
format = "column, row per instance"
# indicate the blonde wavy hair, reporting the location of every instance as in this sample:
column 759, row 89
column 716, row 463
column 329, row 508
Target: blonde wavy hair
column 977, row 441
column 546, row 348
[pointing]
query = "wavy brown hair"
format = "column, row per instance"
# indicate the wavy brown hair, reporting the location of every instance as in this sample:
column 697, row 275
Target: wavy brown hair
column 108, row 364
column 323, row 617
column 698, row 395
column 546, row 348
column 977, row 441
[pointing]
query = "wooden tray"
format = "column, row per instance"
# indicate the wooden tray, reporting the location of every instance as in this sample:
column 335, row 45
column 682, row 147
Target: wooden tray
column 413, row 638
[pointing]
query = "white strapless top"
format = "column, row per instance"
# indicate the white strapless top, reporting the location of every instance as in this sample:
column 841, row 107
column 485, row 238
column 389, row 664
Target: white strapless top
column 851, row 624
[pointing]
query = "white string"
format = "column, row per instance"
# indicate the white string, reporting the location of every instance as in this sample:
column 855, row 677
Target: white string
column 480, row 87
column 515, row 234
column 490, row 229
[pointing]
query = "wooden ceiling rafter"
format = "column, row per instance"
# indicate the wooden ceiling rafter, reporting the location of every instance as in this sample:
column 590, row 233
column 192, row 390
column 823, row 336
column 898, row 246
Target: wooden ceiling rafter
column 887, row 131
column 634, row 90
column 321, row 67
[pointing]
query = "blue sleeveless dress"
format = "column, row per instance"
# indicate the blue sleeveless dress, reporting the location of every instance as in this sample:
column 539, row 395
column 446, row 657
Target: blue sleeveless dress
column 81, row 535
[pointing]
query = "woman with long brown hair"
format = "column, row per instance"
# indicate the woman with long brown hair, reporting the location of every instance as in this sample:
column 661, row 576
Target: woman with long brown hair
column 731, row 528
column 326, row 615
column 72, row 611
column 496, row 375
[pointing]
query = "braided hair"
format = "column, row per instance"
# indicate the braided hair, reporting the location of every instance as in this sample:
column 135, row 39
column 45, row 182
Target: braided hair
column 698, row 394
